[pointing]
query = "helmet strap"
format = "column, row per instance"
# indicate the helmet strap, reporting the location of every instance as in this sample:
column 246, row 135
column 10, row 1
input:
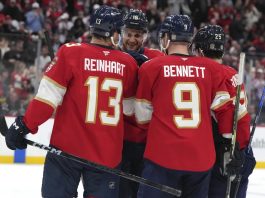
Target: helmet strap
column 144, row 37
column 162, row 47
column 113, row 42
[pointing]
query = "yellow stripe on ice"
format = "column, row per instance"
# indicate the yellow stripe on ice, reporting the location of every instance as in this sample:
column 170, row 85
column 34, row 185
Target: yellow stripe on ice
column 260, row 165
column 35, row 160
column 6, row 159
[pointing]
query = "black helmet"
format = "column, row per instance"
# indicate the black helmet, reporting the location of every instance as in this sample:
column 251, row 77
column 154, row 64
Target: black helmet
column 181, row 28
column 105, row 21
column 136, row 19
column 165, row 26
column 210, row 38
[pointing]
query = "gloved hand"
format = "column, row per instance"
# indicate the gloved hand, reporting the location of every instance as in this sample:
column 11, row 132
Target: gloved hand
column 235, row 165
column 140, row 58
column 16, row 133
column 249, row 163
column 226, row 165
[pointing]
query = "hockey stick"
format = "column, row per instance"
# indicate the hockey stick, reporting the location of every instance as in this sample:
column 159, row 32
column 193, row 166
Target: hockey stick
column 239, row 177
column 237, row 100
column 164, row 188
column 48, row 41
column 256, row 119
column 117, row 172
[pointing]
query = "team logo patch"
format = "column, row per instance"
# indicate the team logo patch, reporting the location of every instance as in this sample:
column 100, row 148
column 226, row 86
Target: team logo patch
column 106, row 53
column 184, row 59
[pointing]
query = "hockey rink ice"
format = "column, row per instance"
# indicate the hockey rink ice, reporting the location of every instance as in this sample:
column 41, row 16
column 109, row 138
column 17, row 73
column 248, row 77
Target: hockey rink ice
column 24, row 181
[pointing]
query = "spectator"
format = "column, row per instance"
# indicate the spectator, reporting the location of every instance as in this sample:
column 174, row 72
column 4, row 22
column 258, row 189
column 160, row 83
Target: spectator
column 15, row 53
column 252, row 15
column 258, row 84
column 236, row 28
column 13, row 103
column 13, row 10
column 35, row 19
column 44, row 57
column 63, row 26
column 77, row 31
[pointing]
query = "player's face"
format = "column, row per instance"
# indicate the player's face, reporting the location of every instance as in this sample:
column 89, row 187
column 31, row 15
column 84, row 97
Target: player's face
column 132, row 39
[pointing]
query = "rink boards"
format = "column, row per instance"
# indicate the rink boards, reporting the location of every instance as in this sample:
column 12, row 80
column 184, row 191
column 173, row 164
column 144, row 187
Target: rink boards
column 34, row 155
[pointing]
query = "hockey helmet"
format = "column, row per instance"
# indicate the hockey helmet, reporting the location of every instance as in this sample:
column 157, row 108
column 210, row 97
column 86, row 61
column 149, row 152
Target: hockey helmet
column 165, row 26
column 181, row 28
column 135, row 19
column 210, row 38
column 105, row 21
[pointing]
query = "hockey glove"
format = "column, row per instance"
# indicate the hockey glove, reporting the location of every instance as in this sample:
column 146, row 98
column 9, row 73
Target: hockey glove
column 140, row 58
column 16, row 133
column 249, row 163
column 226, row 165
column 234, row 166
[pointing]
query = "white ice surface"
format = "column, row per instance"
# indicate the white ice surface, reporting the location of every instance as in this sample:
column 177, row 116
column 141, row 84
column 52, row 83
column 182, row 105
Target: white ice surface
column 24, row 181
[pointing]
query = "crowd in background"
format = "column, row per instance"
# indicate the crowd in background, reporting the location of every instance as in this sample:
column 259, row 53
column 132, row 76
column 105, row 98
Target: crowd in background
column 24, row 54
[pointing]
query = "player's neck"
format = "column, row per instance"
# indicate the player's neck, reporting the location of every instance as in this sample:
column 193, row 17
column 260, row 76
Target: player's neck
column 218, row 60
column 103, row 42
column 180, row 49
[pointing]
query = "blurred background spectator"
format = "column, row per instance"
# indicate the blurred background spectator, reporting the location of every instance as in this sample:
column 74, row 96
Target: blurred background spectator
column 24, row 52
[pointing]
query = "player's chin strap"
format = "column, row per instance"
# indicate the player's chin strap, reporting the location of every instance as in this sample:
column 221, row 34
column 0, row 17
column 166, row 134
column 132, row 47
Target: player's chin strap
column 116, row 45
column 162, row 48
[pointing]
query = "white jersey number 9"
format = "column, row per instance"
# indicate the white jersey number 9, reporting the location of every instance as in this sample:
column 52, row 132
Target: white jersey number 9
column 192, row 104
column 114, row 102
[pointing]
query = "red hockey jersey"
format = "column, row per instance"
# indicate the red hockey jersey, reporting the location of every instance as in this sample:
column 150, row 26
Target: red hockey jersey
column 91, row 87
column 176, row 94
column 134, row 133
column 152, row 53
column 243, row 126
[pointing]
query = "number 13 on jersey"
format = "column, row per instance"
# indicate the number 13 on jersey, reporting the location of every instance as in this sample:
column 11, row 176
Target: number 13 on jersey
column 114, row 102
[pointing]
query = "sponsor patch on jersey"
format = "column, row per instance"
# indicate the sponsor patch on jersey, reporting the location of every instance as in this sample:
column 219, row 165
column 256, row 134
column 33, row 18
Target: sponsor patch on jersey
column 234, row 80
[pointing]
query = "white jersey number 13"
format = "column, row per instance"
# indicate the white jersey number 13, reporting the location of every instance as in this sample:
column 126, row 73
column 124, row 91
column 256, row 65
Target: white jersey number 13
column 93, row 89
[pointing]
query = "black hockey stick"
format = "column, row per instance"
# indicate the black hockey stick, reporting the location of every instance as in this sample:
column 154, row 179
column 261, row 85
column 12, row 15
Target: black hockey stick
column 49, row 44
column 235, row 119
column 239, row 177
column 256, row 119
column 164, row 188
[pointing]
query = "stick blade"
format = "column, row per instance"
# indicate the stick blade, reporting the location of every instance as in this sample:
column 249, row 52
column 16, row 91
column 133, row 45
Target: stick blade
column 3, row 125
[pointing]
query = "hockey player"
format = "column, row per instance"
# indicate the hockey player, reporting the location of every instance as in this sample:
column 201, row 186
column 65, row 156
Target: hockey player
column 175, row 95
column 134, row 33
column 209, row 41
column 90, row 86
